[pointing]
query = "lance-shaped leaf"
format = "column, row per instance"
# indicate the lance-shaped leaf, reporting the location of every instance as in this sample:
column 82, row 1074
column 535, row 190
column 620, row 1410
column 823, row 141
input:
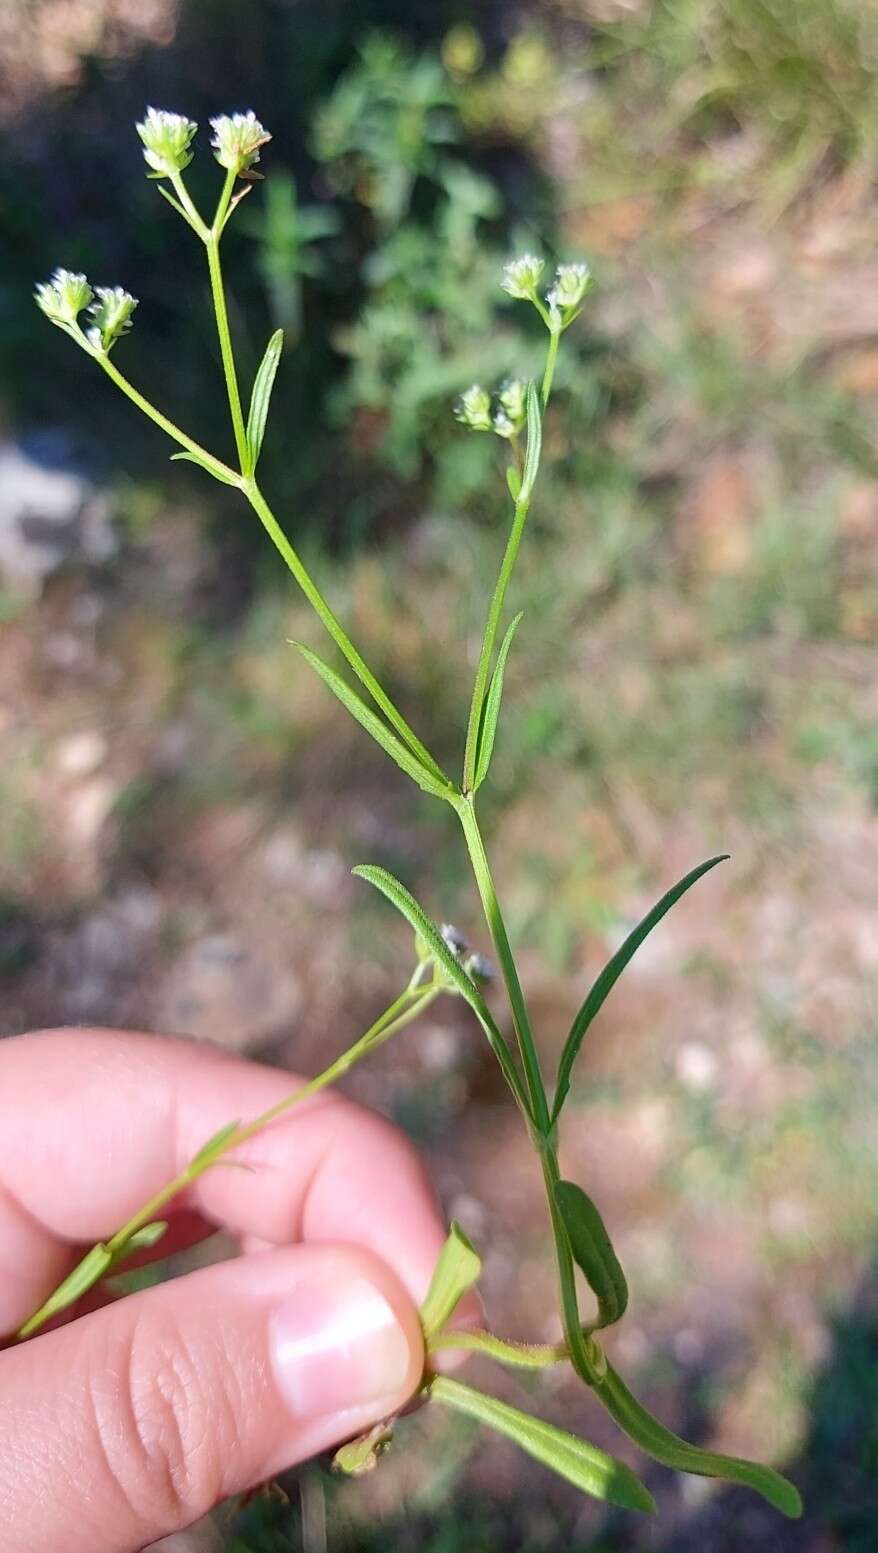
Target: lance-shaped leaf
column 93, row 1267
column 392, row 746
column 593, row 1251
column 534, row 443
column 260, row 399
column 417, row 918
column 459, row 1267
column 585, row 1466
column 611, row 973
column 491, row 711
column 227, row 477
column 666, row 1447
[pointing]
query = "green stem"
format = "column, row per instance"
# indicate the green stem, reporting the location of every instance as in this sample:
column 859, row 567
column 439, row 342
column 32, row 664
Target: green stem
column 494, row 917
column 543, row 1134
column 483, row 671
column 551, row 359
column 216, row 465
column 190, row 211
column 335, row 628
column 401, row 1012
column 218, row 293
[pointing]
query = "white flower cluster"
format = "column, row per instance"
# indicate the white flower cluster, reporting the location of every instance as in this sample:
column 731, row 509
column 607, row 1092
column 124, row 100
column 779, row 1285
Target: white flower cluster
column 522, row 276
column 473, row 408
column 565, row 296
column 111, row 316
column 237, row 139
column 63, row 298
column 167, row 138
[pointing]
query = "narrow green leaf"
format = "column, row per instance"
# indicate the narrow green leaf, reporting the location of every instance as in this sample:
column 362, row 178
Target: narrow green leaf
column 392, row 746
column 167, row 195
column 84, row 1276
column 671, row 1451
column 260, row 399
column 405, row 903
column 611, row 973
column 491, row 710
column 593, row 1251
column 459, row 1267
column 585, row 1466
column 513, row 480
column 534, row 443
column 212, row 469
column 214, row 1146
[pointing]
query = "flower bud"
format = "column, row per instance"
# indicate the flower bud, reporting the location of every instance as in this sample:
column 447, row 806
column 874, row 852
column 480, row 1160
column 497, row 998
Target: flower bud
column 513, row 406
column 473, row 408
column 166, row 140
column 111, row 314
column 453, row 940
column 237, row 139
column 63, row 297
column 479, row 967
column 521, row 276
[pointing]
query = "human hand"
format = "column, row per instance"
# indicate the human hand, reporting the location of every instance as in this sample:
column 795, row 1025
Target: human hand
column 138, row 1415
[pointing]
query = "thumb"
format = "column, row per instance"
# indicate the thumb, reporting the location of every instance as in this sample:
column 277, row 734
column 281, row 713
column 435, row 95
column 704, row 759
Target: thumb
column 134, row 1421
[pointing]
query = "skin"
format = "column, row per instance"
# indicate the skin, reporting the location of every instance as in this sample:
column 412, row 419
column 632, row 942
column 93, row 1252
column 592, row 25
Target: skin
column 136, row 1416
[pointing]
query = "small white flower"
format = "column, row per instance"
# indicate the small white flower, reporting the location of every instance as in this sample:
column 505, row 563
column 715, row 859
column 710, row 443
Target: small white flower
column 473, row 408
column 521, row 276
column 166, row 140
column 63, row 297
column 572, row 281
column 111, row 313
column 237, row 139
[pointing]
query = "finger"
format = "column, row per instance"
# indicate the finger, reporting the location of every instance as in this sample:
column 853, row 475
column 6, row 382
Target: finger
column 136, row 1420
column 92, row 1123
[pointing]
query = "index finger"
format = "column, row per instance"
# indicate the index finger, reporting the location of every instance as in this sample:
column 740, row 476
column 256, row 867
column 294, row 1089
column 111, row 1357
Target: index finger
column 94, row 1122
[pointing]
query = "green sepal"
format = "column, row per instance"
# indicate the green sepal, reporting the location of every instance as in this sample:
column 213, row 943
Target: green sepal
column 665, row 1446
column 589, row 1469
column 392, row 746
column 491, row 711
column 610, row 975
column 212, row 469
column 260, row 398
column 534, row 444
column 593, row 1251
column 453, row 971
column 458, row 1269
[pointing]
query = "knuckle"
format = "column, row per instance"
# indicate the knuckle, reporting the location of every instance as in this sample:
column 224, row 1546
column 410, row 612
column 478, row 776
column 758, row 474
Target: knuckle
column 161, row 1424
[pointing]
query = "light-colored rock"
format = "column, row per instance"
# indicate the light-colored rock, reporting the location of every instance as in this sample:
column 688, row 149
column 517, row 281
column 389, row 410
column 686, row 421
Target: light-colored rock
column 48, row 516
